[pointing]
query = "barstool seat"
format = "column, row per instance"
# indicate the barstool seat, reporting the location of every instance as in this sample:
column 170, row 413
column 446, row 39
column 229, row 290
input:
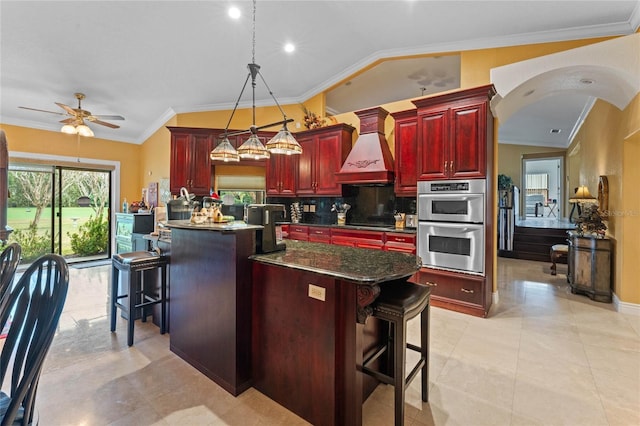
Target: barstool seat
column 558, row 252
column 137, row 293
column 399, row 302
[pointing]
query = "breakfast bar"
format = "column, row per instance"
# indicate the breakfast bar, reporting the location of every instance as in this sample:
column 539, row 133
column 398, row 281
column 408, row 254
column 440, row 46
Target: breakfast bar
column 292, row 323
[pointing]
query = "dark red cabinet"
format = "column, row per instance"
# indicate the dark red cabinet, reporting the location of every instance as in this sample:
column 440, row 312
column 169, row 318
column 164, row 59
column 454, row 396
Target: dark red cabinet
column 190, row 165
column 281, row 175
column 406, row 153
column 453, row 131
column 324, row 150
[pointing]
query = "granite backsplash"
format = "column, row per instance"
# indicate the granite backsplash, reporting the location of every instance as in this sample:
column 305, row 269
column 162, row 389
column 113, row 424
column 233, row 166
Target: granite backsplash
column 370, row 206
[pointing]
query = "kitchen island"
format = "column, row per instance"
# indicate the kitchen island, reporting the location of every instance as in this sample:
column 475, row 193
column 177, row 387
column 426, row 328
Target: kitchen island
column 294, row 324
column 210, row 299
column 310, row 328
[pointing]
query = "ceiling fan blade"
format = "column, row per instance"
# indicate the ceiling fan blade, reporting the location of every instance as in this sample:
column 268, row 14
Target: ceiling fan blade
column 104, row 123
column 70, row 120
column 42, row 110
column 69, row 110
column 108, row 117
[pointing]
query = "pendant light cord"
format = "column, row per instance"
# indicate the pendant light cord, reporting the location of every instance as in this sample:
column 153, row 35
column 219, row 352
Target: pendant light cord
column 254, row 70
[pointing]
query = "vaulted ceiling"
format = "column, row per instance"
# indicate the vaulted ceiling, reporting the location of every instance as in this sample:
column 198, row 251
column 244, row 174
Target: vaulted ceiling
column 148, row 60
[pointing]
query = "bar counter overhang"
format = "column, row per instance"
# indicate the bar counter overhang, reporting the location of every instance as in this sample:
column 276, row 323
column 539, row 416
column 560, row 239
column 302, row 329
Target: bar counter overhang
column 293, row 324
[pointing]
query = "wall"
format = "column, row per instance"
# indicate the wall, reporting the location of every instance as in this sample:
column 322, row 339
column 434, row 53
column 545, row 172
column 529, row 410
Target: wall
column 510, row 159
column 607, row 144
column 34, row 141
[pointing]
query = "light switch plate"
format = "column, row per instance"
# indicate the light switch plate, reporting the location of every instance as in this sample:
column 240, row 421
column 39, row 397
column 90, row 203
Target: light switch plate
column 316, row 292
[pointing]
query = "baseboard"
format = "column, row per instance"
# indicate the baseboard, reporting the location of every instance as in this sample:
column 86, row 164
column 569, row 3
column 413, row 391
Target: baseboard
column 495, row 297
column 625, row 307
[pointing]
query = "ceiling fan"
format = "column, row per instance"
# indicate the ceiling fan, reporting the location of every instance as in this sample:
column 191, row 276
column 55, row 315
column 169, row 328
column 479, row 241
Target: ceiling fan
column 77, row 117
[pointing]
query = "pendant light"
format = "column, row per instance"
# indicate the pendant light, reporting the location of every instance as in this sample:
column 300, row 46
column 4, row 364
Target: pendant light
column 282, row 143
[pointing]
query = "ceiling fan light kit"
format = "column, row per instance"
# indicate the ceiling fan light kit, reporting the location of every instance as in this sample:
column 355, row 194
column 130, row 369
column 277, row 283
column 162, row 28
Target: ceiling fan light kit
column 75, row 124
column 282, row 143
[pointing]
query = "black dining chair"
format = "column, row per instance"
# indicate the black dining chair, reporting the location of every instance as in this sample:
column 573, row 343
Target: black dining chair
column 31, row 309
column 9, row 259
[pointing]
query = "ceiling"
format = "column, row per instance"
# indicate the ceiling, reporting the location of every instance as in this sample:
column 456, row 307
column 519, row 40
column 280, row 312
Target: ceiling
column 149, row 60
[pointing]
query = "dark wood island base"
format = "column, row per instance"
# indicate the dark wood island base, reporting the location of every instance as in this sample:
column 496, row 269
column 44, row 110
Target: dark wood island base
column 294, row 324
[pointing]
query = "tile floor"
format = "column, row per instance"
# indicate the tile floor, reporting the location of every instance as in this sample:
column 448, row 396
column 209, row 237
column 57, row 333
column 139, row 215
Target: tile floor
column 543, row 357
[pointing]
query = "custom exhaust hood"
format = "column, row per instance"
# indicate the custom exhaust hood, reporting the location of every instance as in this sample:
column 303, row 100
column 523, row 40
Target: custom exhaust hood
column 370, row 160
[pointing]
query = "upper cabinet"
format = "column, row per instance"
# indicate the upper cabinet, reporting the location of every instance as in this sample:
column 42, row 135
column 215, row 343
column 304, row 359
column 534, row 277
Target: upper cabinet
column 190, row 163
column 280, row 177
column 406, row 153
column 323, row 152
column 453, row 131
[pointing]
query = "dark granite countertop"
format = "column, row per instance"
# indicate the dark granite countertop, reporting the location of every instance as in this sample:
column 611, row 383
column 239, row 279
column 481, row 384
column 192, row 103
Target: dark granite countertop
column 235, row 226
column 356, row 227
column 361, row 265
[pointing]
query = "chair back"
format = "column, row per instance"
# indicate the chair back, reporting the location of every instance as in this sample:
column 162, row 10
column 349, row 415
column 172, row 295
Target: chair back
column 9, row 259
column 33, row 306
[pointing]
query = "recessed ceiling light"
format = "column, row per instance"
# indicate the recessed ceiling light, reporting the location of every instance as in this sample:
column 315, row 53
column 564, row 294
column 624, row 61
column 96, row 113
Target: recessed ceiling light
column 586, row 81
column 234, row 12
column 555, row 131
column 289, row 47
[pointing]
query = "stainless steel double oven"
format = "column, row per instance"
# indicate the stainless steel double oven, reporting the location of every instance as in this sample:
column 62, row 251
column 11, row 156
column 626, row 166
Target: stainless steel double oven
column 451, row 224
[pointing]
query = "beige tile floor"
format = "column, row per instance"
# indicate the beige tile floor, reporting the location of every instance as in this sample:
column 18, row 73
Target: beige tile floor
column 543, row 357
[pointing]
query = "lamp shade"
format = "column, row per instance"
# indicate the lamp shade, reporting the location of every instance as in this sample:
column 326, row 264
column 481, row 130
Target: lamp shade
column 69, row 129
column 284, row 143
column 582, row 195
column 225, row 152
column 253, row 149
column 84, row 130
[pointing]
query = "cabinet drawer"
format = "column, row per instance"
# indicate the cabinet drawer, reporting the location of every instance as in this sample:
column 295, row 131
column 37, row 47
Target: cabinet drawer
column 401, row 238
column 453, row 286
column 299, row 232
column 403, row 248
column 319, row 235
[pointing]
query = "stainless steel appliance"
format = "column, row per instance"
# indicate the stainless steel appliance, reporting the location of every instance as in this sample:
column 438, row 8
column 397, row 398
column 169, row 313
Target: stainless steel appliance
column 266, row 215
column 455, row 246
column 451, row 225
column 452, row 201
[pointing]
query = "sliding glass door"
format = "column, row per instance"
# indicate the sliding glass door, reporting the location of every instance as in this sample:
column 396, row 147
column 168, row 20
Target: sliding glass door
column 56, row 209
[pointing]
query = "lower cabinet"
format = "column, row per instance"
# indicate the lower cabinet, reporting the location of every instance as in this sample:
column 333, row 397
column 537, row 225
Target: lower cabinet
column 298, row 232
column 319, row 234
column 455, row 291
column 357, row 238
column 405, row 243
column 590, row 267
column 378, row 240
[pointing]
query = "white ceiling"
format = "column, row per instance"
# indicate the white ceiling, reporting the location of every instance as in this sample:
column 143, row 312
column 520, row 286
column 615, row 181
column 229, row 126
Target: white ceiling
column 148, row 60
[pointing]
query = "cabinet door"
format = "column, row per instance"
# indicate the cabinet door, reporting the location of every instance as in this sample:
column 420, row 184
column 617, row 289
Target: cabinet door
column 406, row 156
column 200, row 180
column 280, row 175
column 467, row 157
column 272, row 176
column 306, row 172
column 329, row 160
column 180, row 166
column 433, row 134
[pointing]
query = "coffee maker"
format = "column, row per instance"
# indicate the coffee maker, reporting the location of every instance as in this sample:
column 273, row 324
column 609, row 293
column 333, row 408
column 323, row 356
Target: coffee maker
column 266, row 215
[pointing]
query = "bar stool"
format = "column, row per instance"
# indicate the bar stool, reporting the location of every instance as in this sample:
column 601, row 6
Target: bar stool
column 134, row 264
column 558, row 252
column 399, row 302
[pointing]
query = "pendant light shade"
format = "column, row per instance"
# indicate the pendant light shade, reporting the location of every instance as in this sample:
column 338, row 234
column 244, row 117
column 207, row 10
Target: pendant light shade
column 225, row 152
column 253, row 148
column 284, row 143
